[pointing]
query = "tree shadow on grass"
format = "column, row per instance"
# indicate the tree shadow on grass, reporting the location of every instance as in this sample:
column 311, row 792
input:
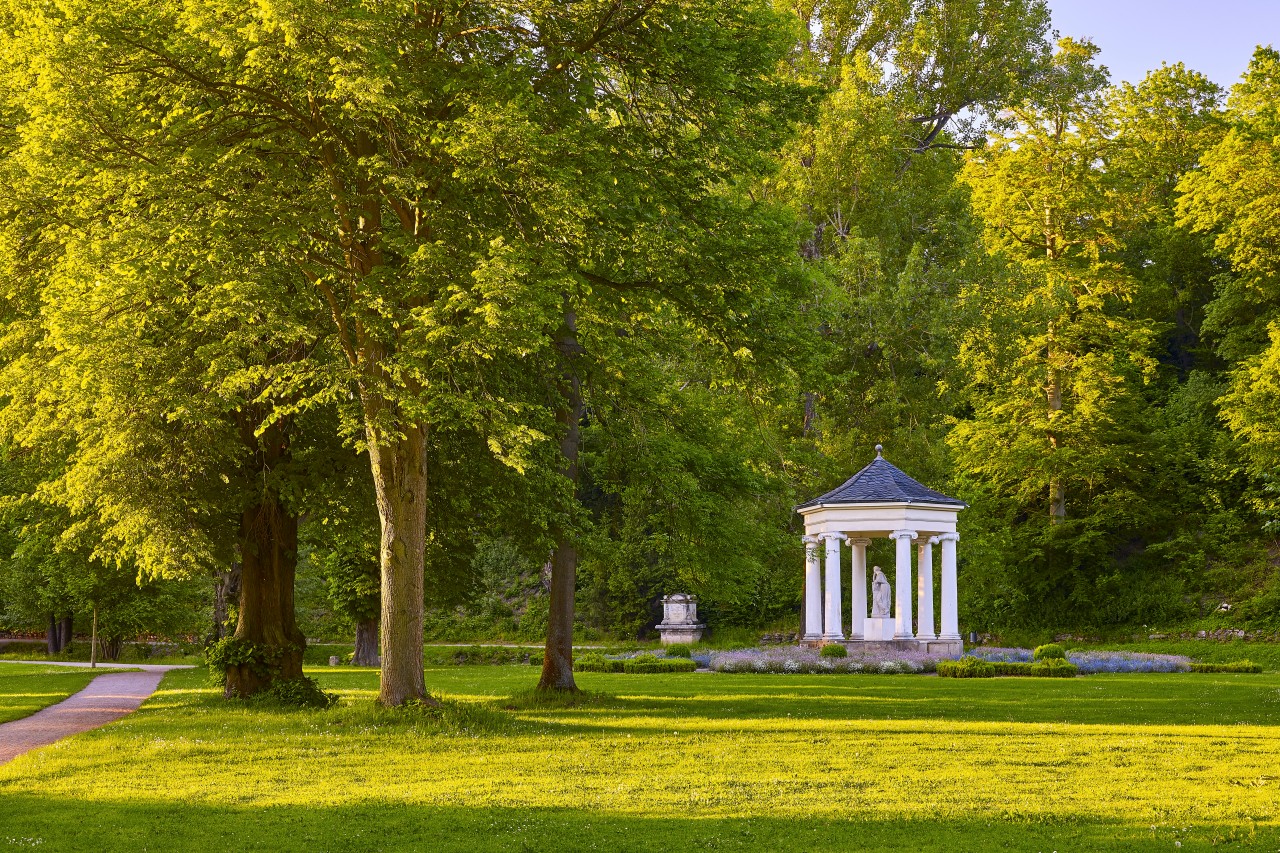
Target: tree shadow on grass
column 384, row 824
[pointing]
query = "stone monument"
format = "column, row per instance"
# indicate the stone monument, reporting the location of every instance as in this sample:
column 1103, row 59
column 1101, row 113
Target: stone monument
column 879, row 625
column 680, row 619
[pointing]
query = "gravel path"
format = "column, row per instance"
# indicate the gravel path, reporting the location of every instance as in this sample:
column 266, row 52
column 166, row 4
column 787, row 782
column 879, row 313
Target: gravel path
column 107, row 698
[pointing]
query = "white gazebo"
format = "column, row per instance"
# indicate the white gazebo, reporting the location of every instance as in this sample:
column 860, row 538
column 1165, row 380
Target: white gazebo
column 881, row 501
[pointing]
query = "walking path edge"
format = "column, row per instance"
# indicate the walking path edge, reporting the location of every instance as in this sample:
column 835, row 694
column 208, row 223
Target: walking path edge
column 106, row 699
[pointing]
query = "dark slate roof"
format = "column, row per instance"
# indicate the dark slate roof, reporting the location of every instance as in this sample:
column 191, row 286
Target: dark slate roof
column 881, row 482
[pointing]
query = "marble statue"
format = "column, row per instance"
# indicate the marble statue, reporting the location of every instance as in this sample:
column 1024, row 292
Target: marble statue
column 880, row 594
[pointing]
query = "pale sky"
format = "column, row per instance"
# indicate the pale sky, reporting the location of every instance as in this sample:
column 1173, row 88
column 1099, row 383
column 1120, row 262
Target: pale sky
column 1214, row 37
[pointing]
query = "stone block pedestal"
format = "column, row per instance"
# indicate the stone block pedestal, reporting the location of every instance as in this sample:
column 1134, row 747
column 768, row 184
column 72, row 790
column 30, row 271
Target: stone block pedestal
column 680, row 620
column 878, row 629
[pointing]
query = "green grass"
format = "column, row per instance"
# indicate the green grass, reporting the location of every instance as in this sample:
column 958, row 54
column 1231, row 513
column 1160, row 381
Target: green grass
column 1204, row 651
column 26, row 688
column 673, row 762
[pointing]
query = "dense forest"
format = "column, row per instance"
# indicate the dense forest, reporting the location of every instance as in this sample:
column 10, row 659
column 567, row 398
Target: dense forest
column 496, row 320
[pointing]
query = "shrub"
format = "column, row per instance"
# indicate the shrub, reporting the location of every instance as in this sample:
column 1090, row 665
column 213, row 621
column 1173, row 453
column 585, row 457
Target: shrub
column 1011, row 668
column 678, row 650
column 834, row 650
column 1049, row 651
column 966, row 667
column 597, row 663
column 1233, row 666
column 1054, row 668
column 649, row 663
column 301, row 692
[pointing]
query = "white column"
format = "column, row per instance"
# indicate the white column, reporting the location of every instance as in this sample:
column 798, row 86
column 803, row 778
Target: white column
column 858, row 599
column 832, row 629
column 950, row 608
column 902, row 585
column 812, row 589
column 924, row 590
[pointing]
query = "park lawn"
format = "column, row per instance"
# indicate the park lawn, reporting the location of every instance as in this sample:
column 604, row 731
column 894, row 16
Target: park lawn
column 26, row 688
column 674, row 762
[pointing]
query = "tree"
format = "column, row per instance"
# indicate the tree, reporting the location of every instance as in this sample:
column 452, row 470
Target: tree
column 1233, row 199
column 439, row 177
column 952, row 64
column 154, row 397
column 1055, row 360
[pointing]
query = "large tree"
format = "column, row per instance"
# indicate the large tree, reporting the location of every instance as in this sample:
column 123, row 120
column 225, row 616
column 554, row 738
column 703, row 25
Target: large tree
column 441, row 177
column 1234, row 198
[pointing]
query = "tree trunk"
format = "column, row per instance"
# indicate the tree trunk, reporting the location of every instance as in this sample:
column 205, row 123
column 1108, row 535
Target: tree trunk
column 1057, row 493
column 268, row 563
column 51, row 636
column 400, row 480
column 810, row 424
column 64, row 632
column 557, row 661
column 366, row 642
column 111, row 647
column 226, row 589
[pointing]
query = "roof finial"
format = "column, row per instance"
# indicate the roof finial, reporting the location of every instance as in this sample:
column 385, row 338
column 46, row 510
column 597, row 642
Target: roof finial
column 879, row 451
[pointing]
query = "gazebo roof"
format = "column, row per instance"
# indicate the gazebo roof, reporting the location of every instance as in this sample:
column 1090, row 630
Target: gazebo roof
column 881, row 483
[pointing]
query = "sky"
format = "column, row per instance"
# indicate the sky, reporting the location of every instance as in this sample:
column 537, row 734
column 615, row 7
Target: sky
column 1214, row 37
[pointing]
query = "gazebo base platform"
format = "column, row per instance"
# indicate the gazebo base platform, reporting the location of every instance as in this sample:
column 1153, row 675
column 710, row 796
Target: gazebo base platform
column 949, row 648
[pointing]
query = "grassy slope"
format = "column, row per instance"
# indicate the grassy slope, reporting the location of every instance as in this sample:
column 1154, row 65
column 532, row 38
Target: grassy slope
column 26, row 688
column 675, row 762
column 1208, row 651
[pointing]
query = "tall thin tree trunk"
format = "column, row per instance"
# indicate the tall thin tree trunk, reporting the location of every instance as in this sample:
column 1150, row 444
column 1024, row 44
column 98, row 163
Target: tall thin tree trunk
column 366, row 653
column 400, row 480
column 1057, row 492
column 268, row 563
column 557, row 661
column 51, row 636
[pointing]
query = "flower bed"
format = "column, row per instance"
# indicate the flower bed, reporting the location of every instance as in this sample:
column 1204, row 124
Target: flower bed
column 1091, row 661
column 793, row 659
column 995, row 654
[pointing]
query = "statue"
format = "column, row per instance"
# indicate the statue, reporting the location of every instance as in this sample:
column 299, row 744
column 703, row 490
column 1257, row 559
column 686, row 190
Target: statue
column 880, row 595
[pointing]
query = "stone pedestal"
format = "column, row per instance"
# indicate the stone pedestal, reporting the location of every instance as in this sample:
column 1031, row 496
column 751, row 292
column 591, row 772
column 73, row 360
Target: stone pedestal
column 680, row 619
column 878, row 628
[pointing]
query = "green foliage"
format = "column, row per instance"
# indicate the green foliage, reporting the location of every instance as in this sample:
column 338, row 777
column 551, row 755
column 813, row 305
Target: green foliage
column 651, row 664
column 484, row 655
column 261, row 658
column 1011, row 668
column 678, row 650
column 304, row 692
column 834, row 650
column 1233, row 666
column 1054, row 668
column 966, row 667
column 1049, row 651
column 596, row 663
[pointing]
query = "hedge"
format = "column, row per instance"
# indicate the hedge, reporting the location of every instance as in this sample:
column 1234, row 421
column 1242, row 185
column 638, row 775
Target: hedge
column 597, row 663
column 967, row 667
column 1054, row 668
column 1234, row 666
column 649, row 663
column 1006, row 668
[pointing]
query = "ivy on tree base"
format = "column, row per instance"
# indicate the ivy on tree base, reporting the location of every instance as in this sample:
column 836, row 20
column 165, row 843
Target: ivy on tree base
column 244, row 668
